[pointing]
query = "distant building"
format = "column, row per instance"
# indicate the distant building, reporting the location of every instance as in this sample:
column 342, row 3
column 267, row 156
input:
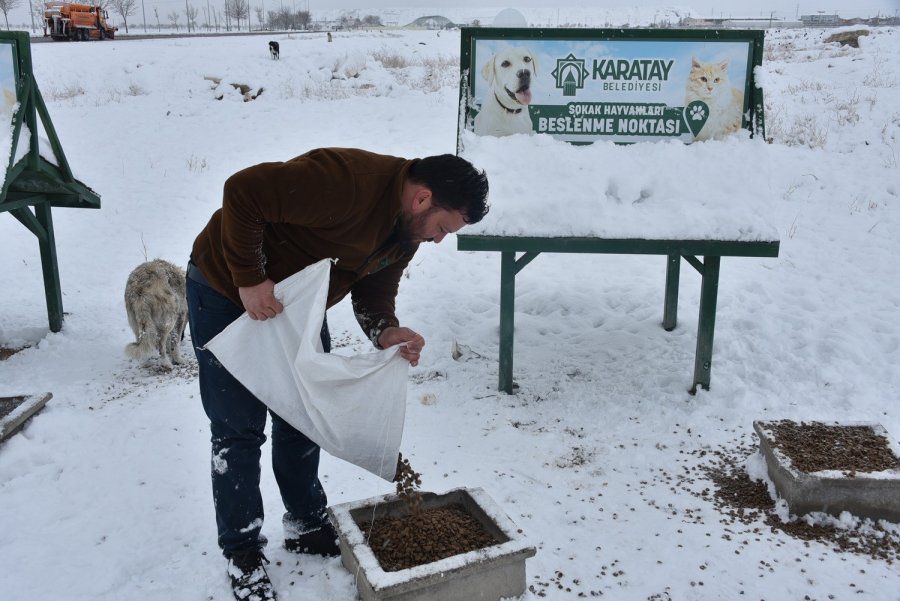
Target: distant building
column 820, row 19
column 760, row 23
column 432, row 22
column 698, row 22
column 740, row 23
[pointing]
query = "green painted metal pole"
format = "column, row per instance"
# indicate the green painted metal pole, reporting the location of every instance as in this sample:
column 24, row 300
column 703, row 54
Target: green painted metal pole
column 709, row 290
column 670, row 308
column 507, row 319
column 50, row 267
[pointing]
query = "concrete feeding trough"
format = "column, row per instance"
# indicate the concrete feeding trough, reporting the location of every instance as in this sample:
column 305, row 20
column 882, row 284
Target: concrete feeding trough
column 874, row 495
column 16, row 410
column 488, row 574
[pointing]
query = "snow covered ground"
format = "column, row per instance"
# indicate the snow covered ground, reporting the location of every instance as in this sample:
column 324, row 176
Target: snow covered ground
column 599, row 457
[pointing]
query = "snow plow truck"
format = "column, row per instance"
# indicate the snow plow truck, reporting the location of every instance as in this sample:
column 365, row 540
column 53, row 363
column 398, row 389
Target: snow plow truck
column 70, row 21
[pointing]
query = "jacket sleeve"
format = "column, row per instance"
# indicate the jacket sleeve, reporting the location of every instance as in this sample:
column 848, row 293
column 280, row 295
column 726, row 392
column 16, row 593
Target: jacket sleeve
column 374, row 297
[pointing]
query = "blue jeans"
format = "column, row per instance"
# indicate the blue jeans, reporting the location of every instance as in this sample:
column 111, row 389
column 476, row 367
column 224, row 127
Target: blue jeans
column 237, row 423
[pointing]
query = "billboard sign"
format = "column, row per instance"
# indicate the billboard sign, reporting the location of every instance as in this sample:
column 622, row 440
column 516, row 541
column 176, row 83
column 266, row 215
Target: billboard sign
column 624, row 86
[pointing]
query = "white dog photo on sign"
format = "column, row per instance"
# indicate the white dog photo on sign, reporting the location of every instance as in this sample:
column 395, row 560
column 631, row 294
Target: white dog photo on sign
column 157, row 311
column 510, row 74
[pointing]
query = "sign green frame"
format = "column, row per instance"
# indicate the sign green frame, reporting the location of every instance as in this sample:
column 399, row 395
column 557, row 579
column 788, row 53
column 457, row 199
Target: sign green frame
column 621, row 85
column 34, row 183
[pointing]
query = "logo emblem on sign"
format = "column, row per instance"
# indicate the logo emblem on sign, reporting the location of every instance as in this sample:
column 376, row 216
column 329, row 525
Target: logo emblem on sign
column 570, row 74
column 695, row 115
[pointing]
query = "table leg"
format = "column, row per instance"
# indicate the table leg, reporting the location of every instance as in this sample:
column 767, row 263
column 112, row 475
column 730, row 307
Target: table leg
column 507, row 318
column 670, row 308
column 709, row 289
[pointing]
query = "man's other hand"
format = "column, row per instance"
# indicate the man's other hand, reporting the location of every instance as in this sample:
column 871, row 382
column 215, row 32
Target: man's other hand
column 260, row 302
column 395, row 335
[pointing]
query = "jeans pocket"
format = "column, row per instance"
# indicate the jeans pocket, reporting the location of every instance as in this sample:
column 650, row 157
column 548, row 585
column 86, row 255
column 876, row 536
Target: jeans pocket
column 210, row 301
column 208, row 312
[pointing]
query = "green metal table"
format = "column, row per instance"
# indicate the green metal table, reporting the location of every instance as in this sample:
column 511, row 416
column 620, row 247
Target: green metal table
column 710, row 253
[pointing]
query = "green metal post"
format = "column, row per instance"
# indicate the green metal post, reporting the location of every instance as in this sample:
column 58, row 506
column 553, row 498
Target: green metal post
column 507, row 319
column 670, row 308
column 50, row 267
column 709, row 290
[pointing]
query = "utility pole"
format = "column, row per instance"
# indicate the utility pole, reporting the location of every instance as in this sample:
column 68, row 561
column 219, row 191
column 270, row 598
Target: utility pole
column 145, row 16
column 31, row 12
column 207, row 15
column 187, row 16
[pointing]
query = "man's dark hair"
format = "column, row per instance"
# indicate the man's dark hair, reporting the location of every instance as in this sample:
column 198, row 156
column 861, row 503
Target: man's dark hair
column 455, row 184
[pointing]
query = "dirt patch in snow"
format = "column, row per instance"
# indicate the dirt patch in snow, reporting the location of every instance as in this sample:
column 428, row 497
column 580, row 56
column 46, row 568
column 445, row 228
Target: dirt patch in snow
column 747, row 502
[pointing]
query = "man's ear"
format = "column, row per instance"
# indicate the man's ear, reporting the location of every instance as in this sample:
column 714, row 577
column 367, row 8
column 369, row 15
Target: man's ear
column 422, row 200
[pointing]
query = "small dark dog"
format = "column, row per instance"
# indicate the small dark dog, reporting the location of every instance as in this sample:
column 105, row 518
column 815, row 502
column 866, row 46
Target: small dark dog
column 274, row 50
column 157, row 311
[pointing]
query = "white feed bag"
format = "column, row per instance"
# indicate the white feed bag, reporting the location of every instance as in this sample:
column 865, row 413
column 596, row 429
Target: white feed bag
column 352, row 407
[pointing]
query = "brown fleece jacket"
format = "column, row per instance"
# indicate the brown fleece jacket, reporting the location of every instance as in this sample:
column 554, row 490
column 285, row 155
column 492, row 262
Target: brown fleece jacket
column 337, row 203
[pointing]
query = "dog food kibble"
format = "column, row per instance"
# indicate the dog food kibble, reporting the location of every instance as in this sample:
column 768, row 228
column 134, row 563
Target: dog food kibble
column 408, row 481
column 424, row 537
column 815, row 446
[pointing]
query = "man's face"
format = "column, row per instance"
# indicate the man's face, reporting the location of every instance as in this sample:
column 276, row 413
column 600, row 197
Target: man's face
column 431, row 225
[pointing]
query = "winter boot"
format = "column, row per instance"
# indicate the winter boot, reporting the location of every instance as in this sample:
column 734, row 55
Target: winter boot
column 249, row 579
column 316, row 542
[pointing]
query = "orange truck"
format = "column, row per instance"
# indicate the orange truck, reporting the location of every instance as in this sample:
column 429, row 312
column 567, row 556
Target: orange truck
column 70, row 21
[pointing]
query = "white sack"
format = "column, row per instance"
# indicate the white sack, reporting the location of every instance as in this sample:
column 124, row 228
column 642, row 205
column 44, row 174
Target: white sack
column 352, row 407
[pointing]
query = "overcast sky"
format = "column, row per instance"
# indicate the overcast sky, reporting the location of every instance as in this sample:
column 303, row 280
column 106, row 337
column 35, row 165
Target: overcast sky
column 737, row 7
column 718, row 8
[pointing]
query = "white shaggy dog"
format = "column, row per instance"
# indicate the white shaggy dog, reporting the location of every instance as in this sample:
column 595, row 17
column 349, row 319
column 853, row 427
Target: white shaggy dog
column 504, row 110
column 157, row 311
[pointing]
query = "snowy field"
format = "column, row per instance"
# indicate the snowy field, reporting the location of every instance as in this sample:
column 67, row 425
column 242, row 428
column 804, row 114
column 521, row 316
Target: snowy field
column 601, row 456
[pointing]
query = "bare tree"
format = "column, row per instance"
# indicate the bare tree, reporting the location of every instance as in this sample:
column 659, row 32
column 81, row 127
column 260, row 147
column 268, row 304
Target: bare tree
column 173, row 19
column 237, row 10
column 124, row 8
column 158, row 26
column 190, row 14
column 372, row 21
column 284, row 19
column 6, row 6
column 242, row 11
column 259, row 16
column 348, row 21
column 37, row 13
column 303, row 19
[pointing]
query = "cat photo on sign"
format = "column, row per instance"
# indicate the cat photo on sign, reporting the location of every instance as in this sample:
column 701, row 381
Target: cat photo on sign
column 708, row 83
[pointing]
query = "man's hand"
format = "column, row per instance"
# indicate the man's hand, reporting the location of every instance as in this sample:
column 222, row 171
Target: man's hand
column 414, row 342
column 260, row 302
